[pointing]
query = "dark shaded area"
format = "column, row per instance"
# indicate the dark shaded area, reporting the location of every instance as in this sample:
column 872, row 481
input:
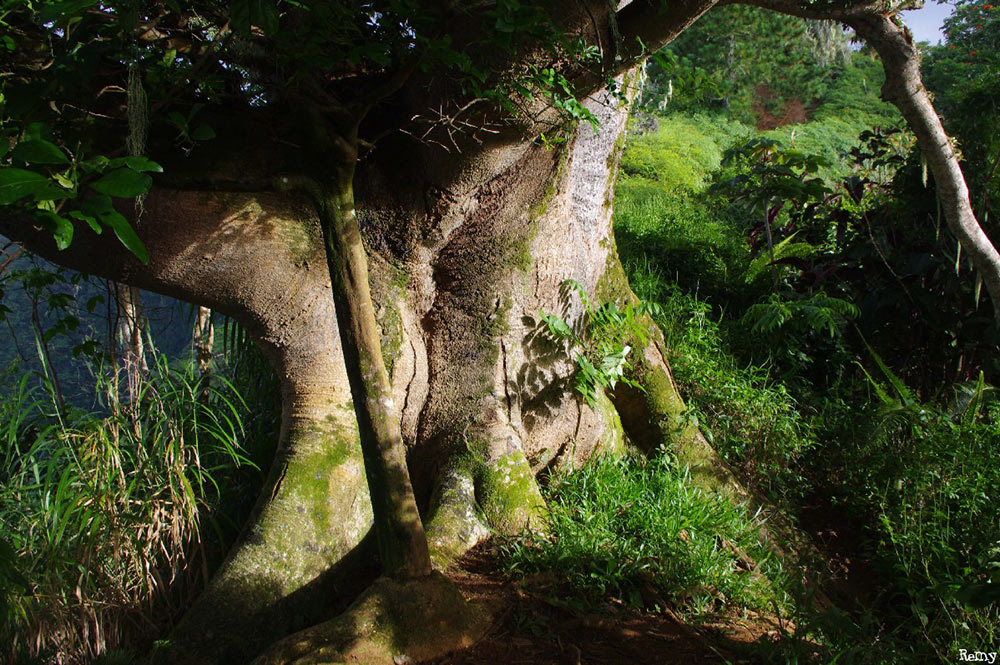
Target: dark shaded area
column 537, row 625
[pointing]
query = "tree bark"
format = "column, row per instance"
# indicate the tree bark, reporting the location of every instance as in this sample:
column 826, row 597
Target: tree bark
column 204, row 342
column 463, row 252
column 259, row 258
column 128, row 334
column 445, row 356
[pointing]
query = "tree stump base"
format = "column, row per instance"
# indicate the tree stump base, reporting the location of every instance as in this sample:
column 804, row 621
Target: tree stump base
column 391, row 623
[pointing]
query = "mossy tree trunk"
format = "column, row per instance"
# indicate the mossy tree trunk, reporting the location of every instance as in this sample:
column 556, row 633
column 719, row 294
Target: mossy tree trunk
column 259, row 258
column 402, row 544
column 425, row 351
column 460, row 252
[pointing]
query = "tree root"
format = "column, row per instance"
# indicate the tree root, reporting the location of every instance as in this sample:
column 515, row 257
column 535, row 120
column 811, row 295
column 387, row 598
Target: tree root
column 393, row 622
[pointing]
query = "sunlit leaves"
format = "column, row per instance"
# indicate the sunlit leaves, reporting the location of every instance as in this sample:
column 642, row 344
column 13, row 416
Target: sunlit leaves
column 49, row 188
column 600, row 341
column 60, row 227
column 818, row 313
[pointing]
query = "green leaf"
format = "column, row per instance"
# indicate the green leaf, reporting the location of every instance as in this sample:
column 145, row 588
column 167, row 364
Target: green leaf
column 239, row 16
column 55, row 12
column 60, row 227
column 96, row 164
column 126, row 234
column 557, row 326
column 89, row 219
column 39, row 151
column 264, row 13
column 203, row 132
column 141, row 164
column 613, row 365
column 16, row 184
column 243, row 14
column 178, row 120
column 979, row 595
column 123, row 183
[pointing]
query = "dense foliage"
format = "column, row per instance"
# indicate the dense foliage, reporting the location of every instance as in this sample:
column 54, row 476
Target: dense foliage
column 638, row 531
column 830, row 337
column 851, row 371
column 716, row 64
column 114, row 506
column 833, row 343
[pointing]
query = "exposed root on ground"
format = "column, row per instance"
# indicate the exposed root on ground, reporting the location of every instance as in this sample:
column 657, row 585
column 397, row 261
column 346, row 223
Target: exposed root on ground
column 391, row 622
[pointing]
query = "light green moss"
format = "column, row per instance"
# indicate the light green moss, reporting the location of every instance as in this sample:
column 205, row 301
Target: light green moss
column 550, row 192
column 389, row 286
column 457, row 523
column 689, row 447
column 316, row 515
column 509, row 496
column 303, row 240
column 613, row 441
column 613, row 284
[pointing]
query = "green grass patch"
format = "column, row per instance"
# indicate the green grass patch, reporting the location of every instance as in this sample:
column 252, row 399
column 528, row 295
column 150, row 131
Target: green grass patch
column 683, row 150
column 638, row 530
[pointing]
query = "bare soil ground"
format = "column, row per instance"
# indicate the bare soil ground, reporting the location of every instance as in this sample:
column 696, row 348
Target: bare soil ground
column 534, row 625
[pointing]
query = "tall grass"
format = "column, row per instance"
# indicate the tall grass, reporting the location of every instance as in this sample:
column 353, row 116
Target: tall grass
column 752, row 420
column 103, row 514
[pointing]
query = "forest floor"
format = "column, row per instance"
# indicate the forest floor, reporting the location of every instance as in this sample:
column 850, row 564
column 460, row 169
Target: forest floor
column 535, row 624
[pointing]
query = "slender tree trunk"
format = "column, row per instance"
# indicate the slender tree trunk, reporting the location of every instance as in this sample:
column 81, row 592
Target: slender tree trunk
column 204, row 340
column 401, row 541
column 904, row 88
column 129, row 337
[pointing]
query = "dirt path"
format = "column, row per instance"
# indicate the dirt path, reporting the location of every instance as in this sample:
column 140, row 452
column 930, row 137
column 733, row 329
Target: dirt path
column 535, row 626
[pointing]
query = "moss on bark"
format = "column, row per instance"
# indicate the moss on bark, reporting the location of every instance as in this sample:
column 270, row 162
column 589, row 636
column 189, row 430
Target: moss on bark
column 388, row 288
column 457, row 523
column 508, row 494
column 273, row 583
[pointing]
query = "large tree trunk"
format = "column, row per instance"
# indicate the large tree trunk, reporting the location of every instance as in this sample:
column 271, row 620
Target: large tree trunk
column 464, row 251
column 259, row 258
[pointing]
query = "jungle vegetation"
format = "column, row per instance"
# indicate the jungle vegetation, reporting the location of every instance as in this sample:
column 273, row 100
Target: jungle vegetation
column 636, row 294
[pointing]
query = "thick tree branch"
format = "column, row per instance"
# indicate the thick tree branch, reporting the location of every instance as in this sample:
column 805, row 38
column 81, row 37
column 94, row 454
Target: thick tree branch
column 646, row 26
